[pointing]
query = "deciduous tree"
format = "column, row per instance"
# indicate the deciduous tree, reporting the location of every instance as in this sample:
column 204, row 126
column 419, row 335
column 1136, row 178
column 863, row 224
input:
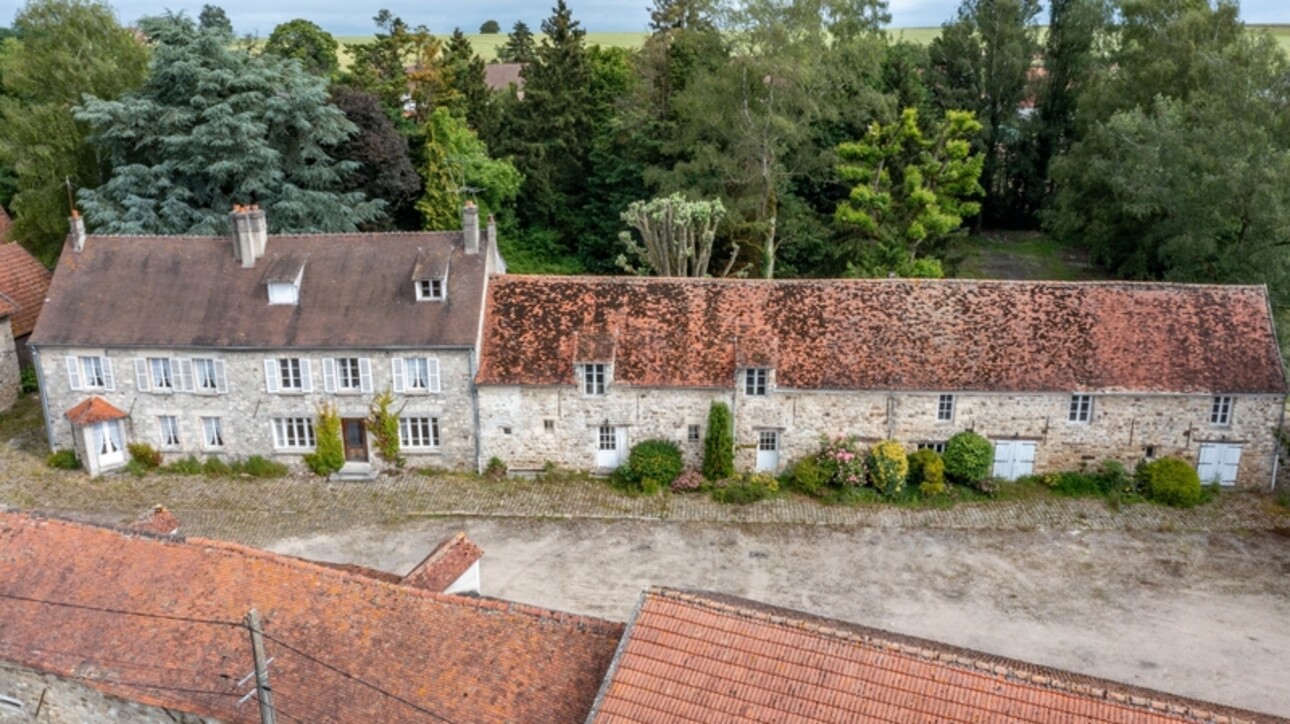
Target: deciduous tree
column 314, row 47
column 677, row 235
column 458, row 167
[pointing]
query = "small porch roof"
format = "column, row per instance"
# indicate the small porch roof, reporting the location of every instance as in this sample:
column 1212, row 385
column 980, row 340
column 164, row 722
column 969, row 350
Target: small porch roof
column 93, row 410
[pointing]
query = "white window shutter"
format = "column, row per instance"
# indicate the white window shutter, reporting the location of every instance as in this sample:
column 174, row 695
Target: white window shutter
column 396, row 368
column 221, row 378
column 74, row 373
column 329, row 374
column 365, row 374
column 306, row 376
column 185, row 366
column 109, row 382
column 141, row 374
column 432, row 365
column 271, row 381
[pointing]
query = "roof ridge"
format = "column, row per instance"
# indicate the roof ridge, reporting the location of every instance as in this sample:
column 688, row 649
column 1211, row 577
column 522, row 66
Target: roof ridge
column 912, row 281
column 1034, row 674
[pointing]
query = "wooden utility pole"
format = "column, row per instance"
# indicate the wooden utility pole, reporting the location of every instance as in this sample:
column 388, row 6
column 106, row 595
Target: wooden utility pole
column 262, row 689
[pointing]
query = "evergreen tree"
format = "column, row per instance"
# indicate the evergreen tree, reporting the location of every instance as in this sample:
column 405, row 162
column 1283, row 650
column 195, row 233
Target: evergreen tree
column 519, row 46
column 314, row 47
column 212, row 127
column 403, row 66
column 719, row 443
column 64, row 48
column 467, row 76
column 214, row 19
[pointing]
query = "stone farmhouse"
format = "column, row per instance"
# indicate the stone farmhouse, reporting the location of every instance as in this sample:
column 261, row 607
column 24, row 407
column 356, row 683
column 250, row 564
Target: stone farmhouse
column 226, row 346
column 1057, row 375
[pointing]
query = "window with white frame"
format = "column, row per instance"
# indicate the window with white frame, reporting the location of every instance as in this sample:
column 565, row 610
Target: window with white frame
column 756, row 381
column 288, row 374
column 417, row 432
column 767, row 440
column 209, row 376
column 169, row 431
column 416, row 374
column 593, row 378
column 90, row 373
column 945, row 408
column 607, row 438
column 548, row 425
column 934, row 446
column 1081, row 409
column 692, row 434
column 293, row 433
column 162, row 373
column 212, row 433
column 347, row 376
column 1220, row 413
column 430, row 290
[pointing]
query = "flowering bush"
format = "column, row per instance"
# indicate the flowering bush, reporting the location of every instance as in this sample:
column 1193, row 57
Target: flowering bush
column 842, row 463
column 688, row 482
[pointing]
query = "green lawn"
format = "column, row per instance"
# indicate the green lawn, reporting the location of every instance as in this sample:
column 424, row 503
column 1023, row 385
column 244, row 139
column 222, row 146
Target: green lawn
column 486, row 45
column 1022, row 255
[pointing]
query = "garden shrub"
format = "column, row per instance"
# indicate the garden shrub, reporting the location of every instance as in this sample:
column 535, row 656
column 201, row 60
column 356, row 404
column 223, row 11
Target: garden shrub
column 841, row 462
column 145, row 455
column 329, row 450
column 215, row 468
column 745, row 489
column 888, row 467
column 258, row 466
column 719, row 444
column 28, row 381
column 1114, row 479
column 968, row 458
column 688, row 481
column 1171, row 481
column 186, row 466
column 806, row 476
column 496, row 468
column 383, row 426
column 1077, row 484
column 927, row 471
column 63, row 460
column 654, row 463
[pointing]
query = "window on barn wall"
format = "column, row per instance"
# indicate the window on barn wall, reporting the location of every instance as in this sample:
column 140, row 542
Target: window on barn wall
column 945, row 408
column 1081, row 409
column 593, row 379
column 756, row 381
column 1220, row 412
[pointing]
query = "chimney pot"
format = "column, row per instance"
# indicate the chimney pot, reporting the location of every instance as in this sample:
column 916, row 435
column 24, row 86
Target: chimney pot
column 77, row 232
column 470, row 227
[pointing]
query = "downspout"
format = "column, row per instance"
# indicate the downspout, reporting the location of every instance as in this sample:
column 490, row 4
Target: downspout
column 1281, row 425
column 44, row 398
column 474, row 409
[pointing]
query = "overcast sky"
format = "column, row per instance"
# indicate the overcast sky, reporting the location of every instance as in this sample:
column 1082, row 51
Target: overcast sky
column 341, row 17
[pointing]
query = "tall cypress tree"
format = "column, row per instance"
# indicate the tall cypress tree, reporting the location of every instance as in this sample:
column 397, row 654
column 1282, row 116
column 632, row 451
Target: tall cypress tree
column 519, row 46
column 473, row 99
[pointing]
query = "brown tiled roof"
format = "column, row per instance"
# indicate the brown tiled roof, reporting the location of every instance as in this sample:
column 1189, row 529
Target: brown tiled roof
column 23, row 284
column 94, row 410
column 702, row 657
column 500, row 76
column 461, row 659
column 445, row 564
column 889, row 334
column 166, row 291
column 159, row 520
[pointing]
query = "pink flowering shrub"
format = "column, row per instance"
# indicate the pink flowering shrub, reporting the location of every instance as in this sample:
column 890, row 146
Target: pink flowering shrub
column 839, row 464
column 688, row 481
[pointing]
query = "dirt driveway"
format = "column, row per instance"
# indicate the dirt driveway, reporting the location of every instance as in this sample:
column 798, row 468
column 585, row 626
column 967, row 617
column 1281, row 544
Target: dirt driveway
column 1200, row 614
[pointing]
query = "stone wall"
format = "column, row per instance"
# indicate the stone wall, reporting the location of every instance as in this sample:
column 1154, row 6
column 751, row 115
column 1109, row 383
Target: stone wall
column 528, row 426
column 10, row 376
column 247, row 409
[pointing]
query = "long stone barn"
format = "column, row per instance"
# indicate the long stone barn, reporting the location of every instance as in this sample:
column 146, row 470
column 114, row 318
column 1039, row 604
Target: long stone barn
column 227, row 346
column 1057, row 375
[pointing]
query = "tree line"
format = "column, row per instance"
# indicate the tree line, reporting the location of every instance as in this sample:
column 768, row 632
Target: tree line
column 784, row 138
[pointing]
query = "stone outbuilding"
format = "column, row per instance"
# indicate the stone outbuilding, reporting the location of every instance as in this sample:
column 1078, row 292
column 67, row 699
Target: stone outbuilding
column 24, row 282
column 1057, row 375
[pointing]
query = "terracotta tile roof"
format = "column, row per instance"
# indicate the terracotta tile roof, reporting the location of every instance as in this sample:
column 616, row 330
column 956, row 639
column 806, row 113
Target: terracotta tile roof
column 357, row 292
column 705, row 657
column 159, row 520
column 464, row 660
column 24, row 282
column 445, row 564
column 888, row 334
column 94, row 410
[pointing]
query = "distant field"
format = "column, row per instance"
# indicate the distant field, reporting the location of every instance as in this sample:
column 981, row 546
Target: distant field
column 486, row 45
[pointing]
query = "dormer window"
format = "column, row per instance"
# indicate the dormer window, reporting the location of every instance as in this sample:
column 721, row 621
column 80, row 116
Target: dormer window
column 283, row 279
column 593, row 378
column 431, row 290
column 756, row 381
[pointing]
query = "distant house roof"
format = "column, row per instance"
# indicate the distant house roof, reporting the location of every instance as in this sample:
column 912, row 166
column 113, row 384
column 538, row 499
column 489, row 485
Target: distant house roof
column 24, row 282
column 701, row 657
column 357, row 291
column 500, row 76
column 445, row 564
column 459, row 659
column 94, row 410
column 887, row 334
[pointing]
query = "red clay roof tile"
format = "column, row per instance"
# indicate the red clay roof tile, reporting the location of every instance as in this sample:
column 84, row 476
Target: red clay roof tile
column 94, row 410
column 445, row 564
column 461, row 659
column 707, row 657
column 24, row 282
column 888, row 334
column 158, row 520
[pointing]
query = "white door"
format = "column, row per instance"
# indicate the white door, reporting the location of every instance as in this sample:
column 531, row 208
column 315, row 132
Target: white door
column 1013, row 458
column 1218, row 462
column 611, row 446
column 767, row 451
column 109, row 446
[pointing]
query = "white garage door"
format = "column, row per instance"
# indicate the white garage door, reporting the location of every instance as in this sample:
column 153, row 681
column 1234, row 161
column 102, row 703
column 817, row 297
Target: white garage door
column 1218, row 462
column 1013, row 458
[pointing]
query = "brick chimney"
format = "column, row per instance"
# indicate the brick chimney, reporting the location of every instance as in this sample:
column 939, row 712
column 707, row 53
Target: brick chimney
column 77, row 232
column 470, row 227
column 247, row 230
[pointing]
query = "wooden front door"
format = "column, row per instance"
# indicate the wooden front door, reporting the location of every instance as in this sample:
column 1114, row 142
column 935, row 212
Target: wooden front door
column 355, row 431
